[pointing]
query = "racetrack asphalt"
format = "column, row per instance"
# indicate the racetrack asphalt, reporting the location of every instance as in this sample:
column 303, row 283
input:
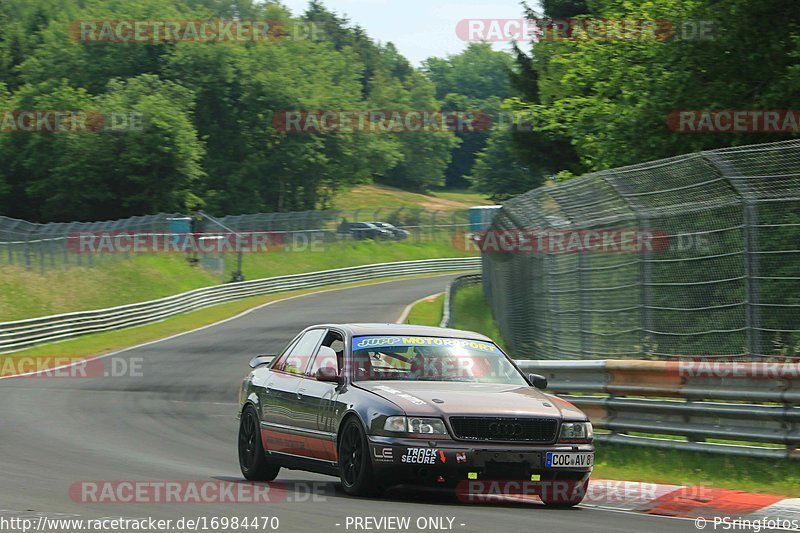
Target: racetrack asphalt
column 176, row 421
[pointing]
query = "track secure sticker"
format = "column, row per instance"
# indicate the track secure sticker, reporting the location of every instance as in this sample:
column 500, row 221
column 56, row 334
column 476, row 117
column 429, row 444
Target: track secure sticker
column 420, row 456
column 375, row 342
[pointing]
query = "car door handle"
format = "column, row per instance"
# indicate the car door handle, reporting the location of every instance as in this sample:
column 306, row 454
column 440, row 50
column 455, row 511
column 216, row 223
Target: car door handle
column 300, row 393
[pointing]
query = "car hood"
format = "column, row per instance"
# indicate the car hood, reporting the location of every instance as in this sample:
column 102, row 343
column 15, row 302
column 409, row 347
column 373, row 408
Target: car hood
column 436, row 398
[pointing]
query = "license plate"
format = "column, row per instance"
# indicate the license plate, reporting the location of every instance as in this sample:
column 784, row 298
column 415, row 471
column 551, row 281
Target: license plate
column 568, row 460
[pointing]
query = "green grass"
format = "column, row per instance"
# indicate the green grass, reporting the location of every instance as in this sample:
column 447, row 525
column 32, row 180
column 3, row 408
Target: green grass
column 26, row 294
column 634, row 463
column 117, row 281
column 343, row 254
column 428, row 312
column 463, row 196
column 471, row 312
column 372, row 197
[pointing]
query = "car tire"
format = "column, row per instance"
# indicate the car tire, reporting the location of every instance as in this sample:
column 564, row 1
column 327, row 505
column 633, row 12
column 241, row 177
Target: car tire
column 253, row 461
column 572, row 496
column 355, row 467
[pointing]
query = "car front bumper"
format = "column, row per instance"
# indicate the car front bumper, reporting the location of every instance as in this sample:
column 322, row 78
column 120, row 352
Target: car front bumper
column 452, row 463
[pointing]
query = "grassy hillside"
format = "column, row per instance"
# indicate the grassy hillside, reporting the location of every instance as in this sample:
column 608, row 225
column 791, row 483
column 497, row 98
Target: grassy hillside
column 383, row 197
column 25, row 294
column 116, row 281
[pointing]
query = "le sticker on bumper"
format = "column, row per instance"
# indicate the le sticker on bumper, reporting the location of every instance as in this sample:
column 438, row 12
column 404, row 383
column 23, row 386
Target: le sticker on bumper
column 410, row 456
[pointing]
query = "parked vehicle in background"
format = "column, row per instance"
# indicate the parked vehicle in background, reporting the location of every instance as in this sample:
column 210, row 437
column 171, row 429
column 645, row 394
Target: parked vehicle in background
column 398, row 234
column 367, row 230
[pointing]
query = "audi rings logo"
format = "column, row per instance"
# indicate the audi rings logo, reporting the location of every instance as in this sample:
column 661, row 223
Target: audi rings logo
column 505, row 429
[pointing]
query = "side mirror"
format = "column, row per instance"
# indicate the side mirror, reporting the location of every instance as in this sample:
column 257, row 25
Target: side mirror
column 538, row 381
column 261, row 360
column 327, row 373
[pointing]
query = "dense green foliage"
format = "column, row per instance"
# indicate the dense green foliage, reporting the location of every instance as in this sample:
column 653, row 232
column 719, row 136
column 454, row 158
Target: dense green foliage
column 595, row 103
column 206, row 135
column 208, row 138
column 611, row 99
column 476, row 79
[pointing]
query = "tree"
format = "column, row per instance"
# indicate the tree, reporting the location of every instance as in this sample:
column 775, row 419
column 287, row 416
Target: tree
column 144, row 158
column 476, row 79
column 498, row 171
column 612, row 99
column 209, row 137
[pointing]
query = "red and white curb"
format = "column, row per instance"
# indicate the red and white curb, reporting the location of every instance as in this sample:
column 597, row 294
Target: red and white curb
column 707, row 505
column 695, row 502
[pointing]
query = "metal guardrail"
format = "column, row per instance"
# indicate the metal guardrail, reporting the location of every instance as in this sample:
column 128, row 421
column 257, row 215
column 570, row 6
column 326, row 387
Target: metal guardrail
column 450, row 294
column 685, row 405
column 21, row 334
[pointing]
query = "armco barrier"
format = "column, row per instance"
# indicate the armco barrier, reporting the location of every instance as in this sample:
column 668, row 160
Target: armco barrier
column 22, row 334
column 749, row 409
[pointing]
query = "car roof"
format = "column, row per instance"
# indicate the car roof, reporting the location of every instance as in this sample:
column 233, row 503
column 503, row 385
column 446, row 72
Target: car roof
column 404, row 329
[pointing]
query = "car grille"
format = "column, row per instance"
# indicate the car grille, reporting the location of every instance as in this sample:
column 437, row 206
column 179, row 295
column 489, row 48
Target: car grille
column 504, row 429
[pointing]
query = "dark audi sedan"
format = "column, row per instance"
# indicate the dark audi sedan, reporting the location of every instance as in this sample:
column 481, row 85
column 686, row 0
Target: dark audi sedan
column 387, row 404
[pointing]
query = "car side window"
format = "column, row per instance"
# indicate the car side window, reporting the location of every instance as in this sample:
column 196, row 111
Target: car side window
column 324, row 358
column 280, row 362
column 299, row 356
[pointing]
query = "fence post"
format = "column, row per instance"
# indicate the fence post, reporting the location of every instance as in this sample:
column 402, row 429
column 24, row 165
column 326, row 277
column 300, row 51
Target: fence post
column 645, row 268
column 552, row 299
column 645, row 277
column 584, row 302
column 27, row 251
column 751, row 247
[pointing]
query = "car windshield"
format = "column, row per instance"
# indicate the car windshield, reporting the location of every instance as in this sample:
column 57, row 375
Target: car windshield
column 410, row 358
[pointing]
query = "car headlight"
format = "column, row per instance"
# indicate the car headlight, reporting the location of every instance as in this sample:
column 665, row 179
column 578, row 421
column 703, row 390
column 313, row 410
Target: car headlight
column 429, row 427
column 396, row 424
column 576, row 432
